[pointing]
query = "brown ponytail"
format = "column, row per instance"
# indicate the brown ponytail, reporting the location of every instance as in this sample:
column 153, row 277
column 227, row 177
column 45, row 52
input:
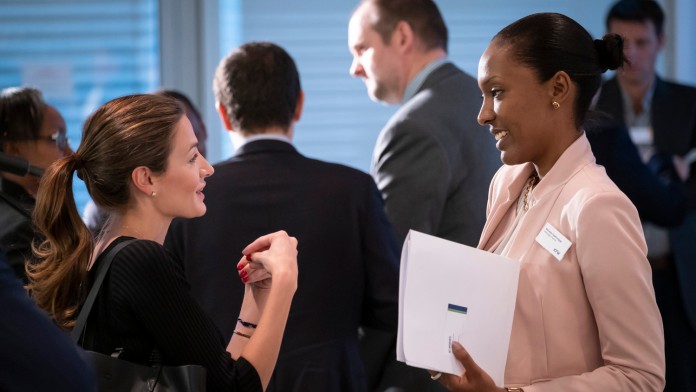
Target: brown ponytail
column 125, row 133
column 55, row 281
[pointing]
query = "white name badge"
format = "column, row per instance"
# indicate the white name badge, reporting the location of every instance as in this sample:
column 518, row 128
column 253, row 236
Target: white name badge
column 641, row 136
column 553, row 241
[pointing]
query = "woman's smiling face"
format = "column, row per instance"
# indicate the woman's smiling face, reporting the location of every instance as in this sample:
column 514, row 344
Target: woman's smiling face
column 516, row 107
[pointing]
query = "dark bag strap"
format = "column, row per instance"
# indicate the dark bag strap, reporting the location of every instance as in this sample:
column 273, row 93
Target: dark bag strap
column 92, row 296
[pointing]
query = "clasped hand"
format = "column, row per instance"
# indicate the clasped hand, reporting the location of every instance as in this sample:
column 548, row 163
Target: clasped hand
column 272, row 255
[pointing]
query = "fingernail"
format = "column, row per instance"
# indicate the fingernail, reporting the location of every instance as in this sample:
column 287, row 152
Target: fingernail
column 243, row 274
column 239, row 266
column 248, row 257
column 245, row 279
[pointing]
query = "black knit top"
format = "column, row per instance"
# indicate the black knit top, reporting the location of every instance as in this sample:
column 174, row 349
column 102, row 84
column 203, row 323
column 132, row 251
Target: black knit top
column 145, row 303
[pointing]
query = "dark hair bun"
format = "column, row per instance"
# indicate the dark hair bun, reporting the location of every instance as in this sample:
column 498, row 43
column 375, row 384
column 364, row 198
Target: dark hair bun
column 609, row 51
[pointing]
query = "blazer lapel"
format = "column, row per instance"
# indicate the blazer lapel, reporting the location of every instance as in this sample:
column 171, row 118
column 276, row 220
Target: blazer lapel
column 508, row 193
column 545, row 195
column 669, row 114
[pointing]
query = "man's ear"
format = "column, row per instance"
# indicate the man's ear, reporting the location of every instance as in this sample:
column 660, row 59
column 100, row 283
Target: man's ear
column 222, row 112
column 661, row 41
column 402, row 37
column 142, row 180
column 298, row 107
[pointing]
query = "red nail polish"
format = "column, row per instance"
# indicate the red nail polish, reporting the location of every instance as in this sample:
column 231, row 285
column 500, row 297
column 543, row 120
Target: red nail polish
column 243, row 274
column 245, row 279
column 239, row 267
column 248, row 257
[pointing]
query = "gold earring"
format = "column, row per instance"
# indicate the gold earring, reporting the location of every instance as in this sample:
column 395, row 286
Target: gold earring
column 555, row 105
column 153, row 194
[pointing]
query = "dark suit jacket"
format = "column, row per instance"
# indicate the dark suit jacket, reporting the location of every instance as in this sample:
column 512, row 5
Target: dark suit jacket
column 16, row 230
column 673, row 112
column 36, row 355
column 433, row 163
column 654, row 189
column 347, row 257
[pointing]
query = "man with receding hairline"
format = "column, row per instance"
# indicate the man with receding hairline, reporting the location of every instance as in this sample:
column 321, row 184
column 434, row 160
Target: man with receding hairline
column 432, row 162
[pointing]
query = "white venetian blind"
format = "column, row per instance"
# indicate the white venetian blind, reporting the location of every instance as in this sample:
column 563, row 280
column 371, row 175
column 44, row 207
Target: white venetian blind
column 340, row 123
column 79, row 53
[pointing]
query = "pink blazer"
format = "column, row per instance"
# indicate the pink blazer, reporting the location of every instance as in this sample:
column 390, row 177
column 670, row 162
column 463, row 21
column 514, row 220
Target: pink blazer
column 588, row 322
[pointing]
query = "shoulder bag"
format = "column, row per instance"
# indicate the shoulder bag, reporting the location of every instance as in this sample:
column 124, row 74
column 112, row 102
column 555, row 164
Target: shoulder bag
column 114, row 374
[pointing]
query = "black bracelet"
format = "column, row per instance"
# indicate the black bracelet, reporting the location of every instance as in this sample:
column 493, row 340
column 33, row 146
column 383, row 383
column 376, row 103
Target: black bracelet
column 246, row 324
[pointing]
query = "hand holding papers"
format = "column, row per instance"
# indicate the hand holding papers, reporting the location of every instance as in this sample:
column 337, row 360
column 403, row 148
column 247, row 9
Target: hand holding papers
column 452, row 292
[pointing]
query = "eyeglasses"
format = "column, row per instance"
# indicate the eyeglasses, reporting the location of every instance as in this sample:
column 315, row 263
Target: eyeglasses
column 57, row 137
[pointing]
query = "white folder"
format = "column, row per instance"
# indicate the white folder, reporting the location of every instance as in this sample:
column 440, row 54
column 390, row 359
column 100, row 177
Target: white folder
column 449, row 291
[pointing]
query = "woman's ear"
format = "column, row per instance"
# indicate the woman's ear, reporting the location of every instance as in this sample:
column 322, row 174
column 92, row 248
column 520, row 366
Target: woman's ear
column 142, row 180
column 11, row 148
column 561, row 86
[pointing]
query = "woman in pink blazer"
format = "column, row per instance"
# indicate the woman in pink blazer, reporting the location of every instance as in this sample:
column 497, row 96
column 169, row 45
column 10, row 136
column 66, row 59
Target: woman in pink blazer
column 585, row 317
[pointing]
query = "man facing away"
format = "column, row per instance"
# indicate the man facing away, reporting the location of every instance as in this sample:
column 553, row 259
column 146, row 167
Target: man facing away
column 661, row 117
column 432, row 162
column 347, row 252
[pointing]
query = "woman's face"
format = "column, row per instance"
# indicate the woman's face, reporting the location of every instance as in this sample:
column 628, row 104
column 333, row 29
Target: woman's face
column 49, row 146
column 179, row 190
column 516, row 107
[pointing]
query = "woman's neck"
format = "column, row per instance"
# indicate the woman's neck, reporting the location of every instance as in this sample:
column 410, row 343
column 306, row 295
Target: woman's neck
column 138, row 225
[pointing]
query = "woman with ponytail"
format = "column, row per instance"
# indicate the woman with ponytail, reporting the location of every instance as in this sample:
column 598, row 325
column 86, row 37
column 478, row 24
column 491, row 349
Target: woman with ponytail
column 585, row 317
column 139, row 161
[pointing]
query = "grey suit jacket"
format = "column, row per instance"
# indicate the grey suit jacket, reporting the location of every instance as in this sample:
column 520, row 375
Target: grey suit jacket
column 433, row 163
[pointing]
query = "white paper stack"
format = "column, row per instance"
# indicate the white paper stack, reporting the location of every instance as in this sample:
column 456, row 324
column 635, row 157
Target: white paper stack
column 449, row 291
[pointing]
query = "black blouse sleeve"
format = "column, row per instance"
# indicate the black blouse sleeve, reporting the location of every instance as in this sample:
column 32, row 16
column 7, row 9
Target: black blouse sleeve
column 146, row 276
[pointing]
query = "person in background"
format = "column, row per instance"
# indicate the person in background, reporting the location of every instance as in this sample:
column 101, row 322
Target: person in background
column 585, row 317
column 95, row 218
column 36, row 355
column 193, row 115
column 348, row 257
column 661, row 118
column 139, row 161
column 654, row 187
column 432, row 162
column 34, row 131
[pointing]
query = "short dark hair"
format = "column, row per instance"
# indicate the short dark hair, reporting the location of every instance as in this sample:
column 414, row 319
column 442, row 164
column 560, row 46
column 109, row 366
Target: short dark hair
column 638, row 11
column 422, row 15
column 549, row 42
column 259, row 86
column 21, row 113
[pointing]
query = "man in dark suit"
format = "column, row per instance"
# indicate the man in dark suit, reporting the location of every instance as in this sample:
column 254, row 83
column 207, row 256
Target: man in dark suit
column 432, row 162
column 661, row 117
column 347, row 253
column 654, row 187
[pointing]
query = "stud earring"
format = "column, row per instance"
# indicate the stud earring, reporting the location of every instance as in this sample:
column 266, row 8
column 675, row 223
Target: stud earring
column 153, row 194
column 555, row 105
